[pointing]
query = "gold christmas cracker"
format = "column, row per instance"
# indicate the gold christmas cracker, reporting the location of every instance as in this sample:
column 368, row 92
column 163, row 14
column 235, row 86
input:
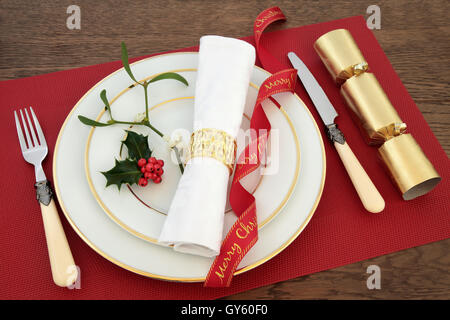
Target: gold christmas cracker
column 380, row 124
column 372, row 109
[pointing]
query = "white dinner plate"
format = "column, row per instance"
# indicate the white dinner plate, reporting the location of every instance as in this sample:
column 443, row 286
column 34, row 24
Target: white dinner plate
column 142, row 211
column 123, row 248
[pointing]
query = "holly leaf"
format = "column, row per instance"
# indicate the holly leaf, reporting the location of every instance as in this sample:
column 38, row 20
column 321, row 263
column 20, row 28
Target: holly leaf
column 137, row 145
column 124, row 171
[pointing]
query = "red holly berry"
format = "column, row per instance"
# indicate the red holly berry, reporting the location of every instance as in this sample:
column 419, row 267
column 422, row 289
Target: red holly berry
column 149, row 167
column 148, row 175
column 160, row 172
column 143, row 169
column 157, row 180
column 161, row 163
column 152, row 160
column 142, row 162
column 143, row 182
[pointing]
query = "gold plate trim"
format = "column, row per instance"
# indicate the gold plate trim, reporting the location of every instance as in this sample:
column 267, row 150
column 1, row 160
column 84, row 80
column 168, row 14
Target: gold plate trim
column 153, row 240
column 155, row 276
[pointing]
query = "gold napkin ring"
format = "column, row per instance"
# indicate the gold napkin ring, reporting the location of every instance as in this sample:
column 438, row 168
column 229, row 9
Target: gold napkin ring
column 213, row 143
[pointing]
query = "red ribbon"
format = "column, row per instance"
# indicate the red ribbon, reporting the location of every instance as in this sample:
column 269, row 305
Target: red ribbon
column 263, row 20
column 244, row 233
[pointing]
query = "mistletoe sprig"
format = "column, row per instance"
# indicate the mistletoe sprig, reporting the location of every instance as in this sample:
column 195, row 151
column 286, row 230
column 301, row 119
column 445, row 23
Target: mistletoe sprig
column 128, row 165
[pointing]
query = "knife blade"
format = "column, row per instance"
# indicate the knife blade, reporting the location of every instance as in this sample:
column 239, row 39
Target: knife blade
column 367, row 192
column 323, row 105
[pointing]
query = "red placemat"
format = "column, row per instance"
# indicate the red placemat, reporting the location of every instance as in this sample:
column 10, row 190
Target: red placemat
column 341, row 231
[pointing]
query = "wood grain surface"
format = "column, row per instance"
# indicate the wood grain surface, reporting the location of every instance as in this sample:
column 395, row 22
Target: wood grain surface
column 414, row 34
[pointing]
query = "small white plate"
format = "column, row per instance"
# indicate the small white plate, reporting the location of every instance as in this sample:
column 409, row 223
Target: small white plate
column 142, row 211
column 132, row 253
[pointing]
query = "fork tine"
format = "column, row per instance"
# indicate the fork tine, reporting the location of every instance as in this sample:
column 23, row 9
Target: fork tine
column 23, row 145
column 27, row 135
column 38, row 128
column 30, row 126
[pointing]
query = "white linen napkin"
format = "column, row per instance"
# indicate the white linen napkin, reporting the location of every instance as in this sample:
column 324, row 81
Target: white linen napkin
column 195, row 219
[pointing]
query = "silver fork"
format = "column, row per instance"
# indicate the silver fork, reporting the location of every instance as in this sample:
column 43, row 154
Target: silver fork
column 34, row 149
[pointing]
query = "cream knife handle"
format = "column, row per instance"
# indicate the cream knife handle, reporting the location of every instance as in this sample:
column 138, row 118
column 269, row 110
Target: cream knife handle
column 367, row 192
column 64, row 271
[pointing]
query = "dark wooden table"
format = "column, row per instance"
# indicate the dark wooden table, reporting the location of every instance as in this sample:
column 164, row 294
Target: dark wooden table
column 415, row 35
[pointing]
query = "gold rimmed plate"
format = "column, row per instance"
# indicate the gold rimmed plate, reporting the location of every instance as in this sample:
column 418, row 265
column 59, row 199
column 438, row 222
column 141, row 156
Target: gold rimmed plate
column 141, row 211
column 123, row 248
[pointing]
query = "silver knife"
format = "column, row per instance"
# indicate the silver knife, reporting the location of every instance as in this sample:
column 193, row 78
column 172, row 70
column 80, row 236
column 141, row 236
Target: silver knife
column 367, row 192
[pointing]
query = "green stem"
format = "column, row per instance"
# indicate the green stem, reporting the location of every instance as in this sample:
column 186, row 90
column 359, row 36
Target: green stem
column 127, row 122
column 146, row 100
column 110, row 114
column 144, row 123
column 180, row 164
column 148, row 124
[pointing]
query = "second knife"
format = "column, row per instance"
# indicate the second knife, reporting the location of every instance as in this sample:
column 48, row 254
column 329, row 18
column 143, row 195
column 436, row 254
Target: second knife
column 367, row 192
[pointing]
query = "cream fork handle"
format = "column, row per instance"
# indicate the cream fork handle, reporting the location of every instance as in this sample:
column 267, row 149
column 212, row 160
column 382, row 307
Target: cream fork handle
column 64, row 271
column 367, row 192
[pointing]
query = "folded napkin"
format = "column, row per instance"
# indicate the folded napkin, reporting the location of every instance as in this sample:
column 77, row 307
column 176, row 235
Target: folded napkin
column 195, row 219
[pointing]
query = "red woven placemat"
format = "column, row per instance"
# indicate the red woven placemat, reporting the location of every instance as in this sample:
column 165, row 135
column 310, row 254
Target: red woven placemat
column 340, row 232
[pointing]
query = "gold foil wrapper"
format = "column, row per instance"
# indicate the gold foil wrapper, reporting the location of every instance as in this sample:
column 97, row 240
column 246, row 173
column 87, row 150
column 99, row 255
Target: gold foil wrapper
column 340, row 54
column 377, row 118
column 409, row 168
column 372, row 109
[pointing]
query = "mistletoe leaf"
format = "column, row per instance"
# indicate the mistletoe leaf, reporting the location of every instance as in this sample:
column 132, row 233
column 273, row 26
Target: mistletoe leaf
column 124, row 171
column 125, row 62
column 169, row 75
column 92, row 123
column 137, row 145
column 105, row 100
